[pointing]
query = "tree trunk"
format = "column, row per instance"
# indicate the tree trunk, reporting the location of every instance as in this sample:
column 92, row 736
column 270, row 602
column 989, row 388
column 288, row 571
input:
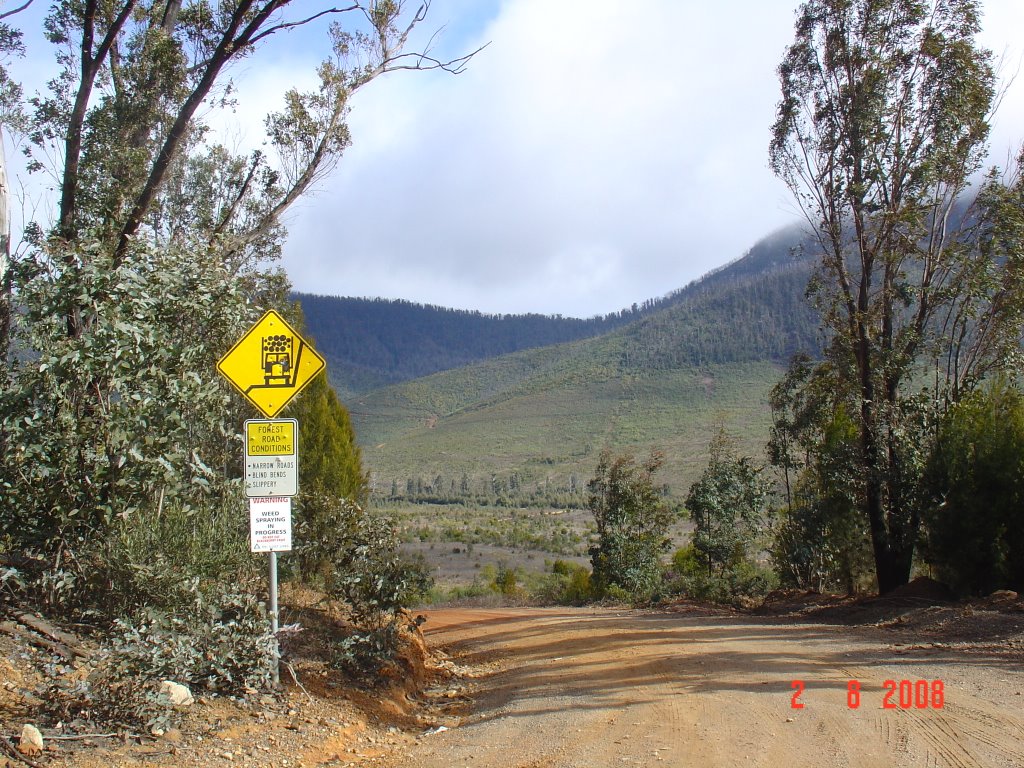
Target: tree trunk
column 5, row 256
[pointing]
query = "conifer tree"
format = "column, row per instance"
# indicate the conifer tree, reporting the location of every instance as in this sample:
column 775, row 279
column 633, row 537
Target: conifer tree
column 329, row 458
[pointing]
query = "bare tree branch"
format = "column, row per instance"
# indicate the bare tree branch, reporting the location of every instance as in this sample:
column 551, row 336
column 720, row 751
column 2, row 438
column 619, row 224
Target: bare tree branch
column 13, row 11
column 425, row 63
column 229, row 214
column 91, row 64
column 292, row 24
column 226, row 49
column 229, row 46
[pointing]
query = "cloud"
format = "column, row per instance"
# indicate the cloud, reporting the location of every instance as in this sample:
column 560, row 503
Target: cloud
column 591, row 156
column 1002, row 21
column 596, row 154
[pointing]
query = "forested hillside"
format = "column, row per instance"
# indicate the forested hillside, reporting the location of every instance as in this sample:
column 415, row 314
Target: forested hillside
column 527, row 427
column 751, row 309
column 373, row 342
column 734, row 318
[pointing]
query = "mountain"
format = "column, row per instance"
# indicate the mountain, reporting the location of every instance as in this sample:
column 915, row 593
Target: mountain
column 371, row 343
column 531, row 423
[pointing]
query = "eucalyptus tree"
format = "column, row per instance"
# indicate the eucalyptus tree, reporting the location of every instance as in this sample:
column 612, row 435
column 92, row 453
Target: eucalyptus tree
column 11, row 44
column 124, row 116
column 159, row 254
column 881, row 127
column 820, row 539
column 727, row 504
column 632, row 521
column 975, row 526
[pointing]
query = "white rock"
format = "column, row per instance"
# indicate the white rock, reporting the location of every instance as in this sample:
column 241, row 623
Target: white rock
column 31, row 741
column 179, row 694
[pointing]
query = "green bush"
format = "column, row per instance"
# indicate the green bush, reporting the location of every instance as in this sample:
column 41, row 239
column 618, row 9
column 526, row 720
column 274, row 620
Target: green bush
column 686, row 562
column 974, row 518
column 104, row 431
column 727, row 506
column 161, row 560
column 567, row 584
column 479, row 591
column 506, row 580
column 616, row 594
column 632, row 521
column 223, row 646
column 742, row 582
column 358, row 563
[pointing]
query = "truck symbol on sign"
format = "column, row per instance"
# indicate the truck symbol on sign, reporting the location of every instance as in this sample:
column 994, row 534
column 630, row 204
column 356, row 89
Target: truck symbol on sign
column 278, row 360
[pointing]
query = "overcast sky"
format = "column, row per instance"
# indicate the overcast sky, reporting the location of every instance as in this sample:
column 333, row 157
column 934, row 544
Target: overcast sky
column 597, row 153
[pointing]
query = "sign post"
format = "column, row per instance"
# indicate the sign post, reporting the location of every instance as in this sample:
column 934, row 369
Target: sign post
column 269, row 366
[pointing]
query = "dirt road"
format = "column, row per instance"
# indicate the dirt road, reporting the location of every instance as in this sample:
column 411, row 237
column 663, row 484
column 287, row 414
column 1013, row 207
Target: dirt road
column 598, row 687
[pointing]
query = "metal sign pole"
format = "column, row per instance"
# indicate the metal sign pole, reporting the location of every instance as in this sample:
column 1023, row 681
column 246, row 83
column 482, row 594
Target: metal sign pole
column 270, row 531
column 276, row 671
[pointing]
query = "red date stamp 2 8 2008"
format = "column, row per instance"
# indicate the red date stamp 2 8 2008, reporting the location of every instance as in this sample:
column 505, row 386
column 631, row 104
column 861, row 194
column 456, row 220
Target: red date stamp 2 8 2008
column 898, row 694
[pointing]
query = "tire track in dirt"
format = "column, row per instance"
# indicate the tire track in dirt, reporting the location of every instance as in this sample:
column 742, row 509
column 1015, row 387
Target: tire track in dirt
column 964, row 732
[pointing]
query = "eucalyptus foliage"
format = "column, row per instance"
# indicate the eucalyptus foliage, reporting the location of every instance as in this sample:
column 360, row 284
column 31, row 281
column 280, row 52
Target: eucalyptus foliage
column 820, row 540
column 224, row 645
column 355, row 557
column 974, row 521
column 727, row 506
column 881, row 127
column 106, row 430
column 117, row 435
column 632, row 521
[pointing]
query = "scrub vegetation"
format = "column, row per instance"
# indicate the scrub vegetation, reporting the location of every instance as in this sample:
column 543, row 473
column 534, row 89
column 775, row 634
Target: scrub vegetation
column 120, row 447
column 838, row 410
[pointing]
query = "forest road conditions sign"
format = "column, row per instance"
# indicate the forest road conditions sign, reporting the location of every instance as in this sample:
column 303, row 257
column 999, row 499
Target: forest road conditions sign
column 270, row 364
column 271, row 457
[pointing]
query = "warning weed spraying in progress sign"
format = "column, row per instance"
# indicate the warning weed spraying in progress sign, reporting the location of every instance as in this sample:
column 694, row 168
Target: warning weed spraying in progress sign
column 270, row 524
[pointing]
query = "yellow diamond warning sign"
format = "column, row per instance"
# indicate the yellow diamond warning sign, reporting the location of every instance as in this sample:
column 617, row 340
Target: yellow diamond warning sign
column 270, row 364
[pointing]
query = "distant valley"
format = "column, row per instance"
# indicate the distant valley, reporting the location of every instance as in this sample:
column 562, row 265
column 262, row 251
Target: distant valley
column 515, row 409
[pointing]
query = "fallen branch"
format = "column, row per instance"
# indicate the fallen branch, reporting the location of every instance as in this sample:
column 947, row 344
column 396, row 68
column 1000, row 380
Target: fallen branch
column 295, row 678
column 12, row 752
column 14, row 630
column 44, row 627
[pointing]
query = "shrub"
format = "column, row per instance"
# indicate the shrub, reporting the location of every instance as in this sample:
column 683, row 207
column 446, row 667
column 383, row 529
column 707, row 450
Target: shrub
column 616, row 594
column 223, row 646
column 819, row 544
column 123, row 421
column 506, row 580
column 161, row 560
column 973, row 519
column 358, row 563
column 739, row 584
column 568, row 584
column 727, row 505
column 632, row 520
